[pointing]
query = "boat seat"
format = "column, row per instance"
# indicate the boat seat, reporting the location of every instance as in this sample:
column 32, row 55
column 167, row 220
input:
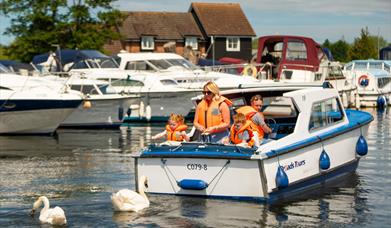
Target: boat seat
column 278, row 111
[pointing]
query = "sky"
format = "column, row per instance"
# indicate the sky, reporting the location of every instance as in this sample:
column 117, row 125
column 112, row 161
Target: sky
column 318, row 19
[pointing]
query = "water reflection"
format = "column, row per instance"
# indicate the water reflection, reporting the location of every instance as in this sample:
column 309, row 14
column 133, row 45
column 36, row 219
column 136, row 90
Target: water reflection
column 79, row 169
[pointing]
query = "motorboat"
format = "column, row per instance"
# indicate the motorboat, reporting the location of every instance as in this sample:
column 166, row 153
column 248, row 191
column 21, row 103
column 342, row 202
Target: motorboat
column 314, row 142
column 99, row 109
column 294, row 59
column 159, row 95
column 373, row 81
column 32, row 105
column 185, row 73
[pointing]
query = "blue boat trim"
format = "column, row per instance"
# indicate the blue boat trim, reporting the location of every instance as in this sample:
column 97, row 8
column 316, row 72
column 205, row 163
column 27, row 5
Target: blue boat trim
column 30, row 105
column 197, row 150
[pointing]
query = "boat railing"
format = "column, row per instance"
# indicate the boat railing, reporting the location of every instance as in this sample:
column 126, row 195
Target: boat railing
column 257, row 70
column 269, row 71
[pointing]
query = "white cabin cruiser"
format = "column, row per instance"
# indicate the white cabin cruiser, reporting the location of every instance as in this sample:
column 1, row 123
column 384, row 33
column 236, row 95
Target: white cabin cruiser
column 32, row 105
column 185, row 73
column 99, row 109
column 316, row 142
column 159, row 96
column 373, row 80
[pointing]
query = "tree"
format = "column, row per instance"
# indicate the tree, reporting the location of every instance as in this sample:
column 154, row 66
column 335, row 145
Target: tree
column 39, row 25
column 340, row 50
column 327, row 44
column 2, row 52
column 363, row 47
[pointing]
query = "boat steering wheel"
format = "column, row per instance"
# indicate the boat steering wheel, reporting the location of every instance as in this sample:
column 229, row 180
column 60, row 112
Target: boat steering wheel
column 274, row 127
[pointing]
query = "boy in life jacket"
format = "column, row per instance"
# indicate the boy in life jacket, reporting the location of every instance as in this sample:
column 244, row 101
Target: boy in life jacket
column 175, row 129
column 241, row 133
column 253, row 113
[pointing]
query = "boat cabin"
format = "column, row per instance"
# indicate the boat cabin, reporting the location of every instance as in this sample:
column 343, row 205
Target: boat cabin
column 288, row 53
column 282, row 105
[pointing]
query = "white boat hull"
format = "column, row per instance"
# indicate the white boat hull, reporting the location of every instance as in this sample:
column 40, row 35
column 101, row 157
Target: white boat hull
column 162, row 105
column 43, row 121
column 105, row 111
column 252, row 178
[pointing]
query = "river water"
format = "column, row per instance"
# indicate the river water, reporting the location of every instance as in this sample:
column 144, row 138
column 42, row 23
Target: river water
column 78, row 170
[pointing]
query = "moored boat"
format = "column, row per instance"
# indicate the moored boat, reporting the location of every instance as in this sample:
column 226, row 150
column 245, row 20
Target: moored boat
column 373, row 81
column 314, row 141
column 32, row 105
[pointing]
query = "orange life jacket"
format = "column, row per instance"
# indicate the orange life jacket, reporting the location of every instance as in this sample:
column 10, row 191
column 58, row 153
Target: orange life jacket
column 173, row 133
column 210, row 115
column 249, row 112
column 234, row 135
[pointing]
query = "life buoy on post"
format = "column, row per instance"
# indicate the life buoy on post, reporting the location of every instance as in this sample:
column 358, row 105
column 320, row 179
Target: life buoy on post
column 250, row 70
column 363, row 80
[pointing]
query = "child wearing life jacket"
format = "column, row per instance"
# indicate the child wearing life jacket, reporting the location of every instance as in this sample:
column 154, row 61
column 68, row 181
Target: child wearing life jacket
column 175, row 129
column 241, row 133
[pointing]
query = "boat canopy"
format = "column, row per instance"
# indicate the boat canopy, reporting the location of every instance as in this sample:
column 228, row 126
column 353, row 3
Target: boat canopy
column 78, row 59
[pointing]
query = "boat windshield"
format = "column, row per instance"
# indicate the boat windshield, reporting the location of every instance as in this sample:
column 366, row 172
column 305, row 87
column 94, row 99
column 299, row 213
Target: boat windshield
column 96, row 63
column 183, row 63
column 160, row 64
column 376, row 65
column 164, row 64
column 335, row 72
column 4, row 69
column 360, row 65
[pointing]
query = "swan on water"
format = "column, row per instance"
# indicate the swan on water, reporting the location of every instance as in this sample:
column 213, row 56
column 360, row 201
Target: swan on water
column 54, row 216
column 128, row 200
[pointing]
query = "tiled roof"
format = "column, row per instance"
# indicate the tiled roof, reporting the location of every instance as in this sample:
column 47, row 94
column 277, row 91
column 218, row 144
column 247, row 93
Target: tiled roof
column 162, row 25
column 222, row 19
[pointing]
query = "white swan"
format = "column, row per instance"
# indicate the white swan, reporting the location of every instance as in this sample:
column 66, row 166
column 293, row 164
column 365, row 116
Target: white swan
column 54, row 216
column 128, row 200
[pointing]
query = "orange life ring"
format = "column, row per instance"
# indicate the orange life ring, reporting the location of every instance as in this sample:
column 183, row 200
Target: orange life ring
column 250, row 70
column 363, row 80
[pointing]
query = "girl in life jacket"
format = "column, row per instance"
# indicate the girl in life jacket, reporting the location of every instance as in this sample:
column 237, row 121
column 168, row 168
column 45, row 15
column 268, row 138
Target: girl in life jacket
column 175, row 129
column 212, row 116
column 241, row 133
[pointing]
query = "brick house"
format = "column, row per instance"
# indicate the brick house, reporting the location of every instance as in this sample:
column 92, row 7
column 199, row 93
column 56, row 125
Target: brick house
column 150, row 31
column 217, row 29
column 229, row 28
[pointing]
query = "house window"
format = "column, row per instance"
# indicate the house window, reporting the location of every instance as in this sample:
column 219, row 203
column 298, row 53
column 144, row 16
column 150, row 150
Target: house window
column 192, row 42
column 233, row 44
column 147, row 43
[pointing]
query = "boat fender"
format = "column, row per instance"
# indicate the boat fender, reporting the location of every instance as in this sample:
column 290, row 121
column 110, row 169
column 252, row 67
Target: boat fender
column 87, row 104
column 148, row 112
column 120, row 112
column 282, row 180
column 345, row 100
column 381, row 101
column 324, row 160
column 192, row 184
column 250, row 71
column 361, row 146
column 358, row 101
column 141, row 109
column 363, row 80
